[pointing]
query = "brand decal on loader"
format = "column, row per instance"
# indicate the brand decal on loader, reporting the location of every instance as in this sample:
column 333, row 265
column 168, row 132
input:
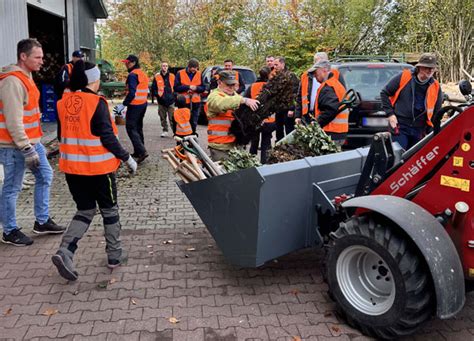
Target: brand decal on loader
column 415, row 168
column 462, row 184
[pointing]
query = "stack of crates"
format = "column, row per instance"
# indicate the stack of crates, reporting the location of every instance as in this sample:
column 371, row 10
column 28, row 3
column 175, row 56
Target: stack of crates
column 48, row 103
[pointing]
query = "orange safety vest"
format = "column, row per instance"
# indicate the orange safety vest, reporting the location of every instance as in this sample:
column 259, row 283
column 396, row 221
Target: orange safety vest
column 69, row 67
column 160, row 82
column 81, row 152
column 190, row 96
column 304, row 94
column 431, row 94
column 255, row 90
column 182, row 117
column 31, row 111
column 141, row 93
column 218, row 128
column 340, row 124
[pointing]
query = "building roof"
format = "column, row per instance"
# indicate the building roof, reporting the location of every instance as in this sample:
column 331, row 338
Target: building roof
column 98, row 9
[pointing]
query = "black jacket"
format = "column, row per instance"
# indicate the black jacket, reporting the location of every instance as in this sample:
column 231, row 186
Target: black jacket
column 405, row 107
column 328, row 104
column 168, row 97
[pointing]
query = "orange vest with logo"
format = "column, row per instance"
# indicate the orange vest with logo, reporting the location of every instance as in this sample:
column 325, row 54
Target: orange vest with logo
column 218, row 128
column 31, row 111
column 182, row 117
column 431, row 94
column 80, row 151
column 191, row 96
column 141, row 93
column 340, row 124
column 160, row 82
column 255, row 90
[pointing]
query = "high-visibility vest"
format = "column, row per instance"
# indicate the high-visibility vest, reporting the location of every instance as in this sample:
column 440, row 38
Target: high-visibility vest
column 304, row 94
column 255, row 90
column 31, row 111
column 191, row 96
column 340, row 124
column 141, row 93
column 218, row 128
column 80, row 151
column 431, row 94
column 160, row 82
column 69, row 67
column 182, row 117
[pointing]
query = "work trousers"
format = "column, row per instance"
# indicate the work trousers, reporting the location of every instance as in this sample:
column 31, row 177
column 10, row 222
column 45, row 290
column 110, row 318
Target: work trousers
column 166, row 115
column 134, row 126
column 87, row 192
column 408, row 136
column 267, row 134
column 284, row 124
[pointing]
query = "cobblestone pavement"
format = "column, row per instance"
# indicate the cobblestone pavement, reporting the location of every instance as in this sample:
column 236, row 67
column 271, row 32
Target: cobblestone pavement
column 174, row 269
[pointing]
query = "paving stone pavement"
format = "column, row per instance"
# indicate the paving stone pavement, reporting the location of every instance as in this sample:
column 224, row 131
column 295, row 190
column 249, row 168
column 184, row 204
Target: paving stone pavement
column 174, row 269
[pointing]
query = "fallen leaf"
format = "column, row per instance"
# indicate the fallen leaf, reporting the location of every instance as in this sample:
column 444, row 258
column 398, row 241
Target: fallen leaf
column 336, row 329
column 149, row 246
column 8, row 312
column 50, row 274
column 327, row 314
column 191, row 249
column 186, row 256
column 294, row 292
column 134, row 302
column 50, row 311
column 187, row 233
column 167, row 242
column 296, row 338
column 173, row 320
column 102, row 242
column 112, row 280
column 150, row 253
column 103, row 285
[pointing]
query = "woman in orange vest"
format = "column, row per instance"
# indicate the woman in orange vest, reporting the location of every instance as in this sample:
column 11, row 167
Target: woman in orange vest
column 89, row 156
column 268, row 125
column 182, row 118
column 410, row 99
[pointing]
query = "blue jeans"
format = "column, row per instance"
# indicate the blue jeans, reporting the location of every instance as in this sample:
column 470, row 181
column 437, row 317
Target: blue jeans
column 14, row 169
column 408, row 136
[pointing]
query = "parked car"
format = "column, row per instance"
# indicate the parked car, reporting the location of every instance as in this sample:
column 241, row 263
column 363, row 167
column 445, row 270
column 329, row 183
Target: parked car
column 246, row 73
column 367, row 79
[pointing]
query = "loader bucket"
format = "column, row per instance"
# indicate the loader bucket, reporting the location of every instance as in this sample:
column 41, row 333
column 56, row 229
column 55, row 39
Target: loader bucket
column 258, row 214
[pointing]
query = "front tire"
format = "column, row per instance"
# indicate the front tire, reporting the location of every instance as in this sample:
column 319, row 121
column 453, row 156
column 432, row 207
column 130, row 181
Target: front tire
column 378, row 278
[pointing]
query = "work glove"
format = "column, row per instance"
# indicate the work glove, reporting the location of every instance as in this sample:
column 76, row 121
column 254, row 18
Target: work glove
column 118, row 109
column 32, row 159
column 131, row 165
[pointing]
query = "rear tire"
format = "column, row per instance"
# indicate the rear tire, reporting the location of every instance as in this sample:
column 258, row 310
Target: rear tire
column 378, row 278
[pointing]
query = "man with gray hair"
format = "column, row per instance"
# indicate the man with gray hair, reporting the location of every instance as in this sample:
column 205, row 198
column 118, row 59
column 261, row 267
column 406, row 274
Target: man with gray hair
column 307, row 90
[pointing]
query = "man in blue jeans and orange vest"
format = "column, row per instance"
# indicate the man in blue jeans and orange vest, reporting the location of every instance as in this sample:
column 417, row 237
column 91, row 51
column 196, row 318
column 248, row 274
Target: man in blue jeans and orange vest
column 410, row 99
column 20, row 144
column 188, row 83
column 136, row 103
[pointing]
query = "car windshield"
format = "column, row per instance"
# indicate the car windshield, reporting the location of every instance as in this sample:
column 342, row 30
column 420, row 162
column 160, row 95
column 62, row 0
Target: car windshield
column 368, row 81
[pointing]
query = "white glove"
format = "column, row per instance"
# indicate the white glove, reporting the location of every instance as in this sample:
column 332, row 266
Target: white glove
column 131, row 165
column 119, row 108
column 32, row 159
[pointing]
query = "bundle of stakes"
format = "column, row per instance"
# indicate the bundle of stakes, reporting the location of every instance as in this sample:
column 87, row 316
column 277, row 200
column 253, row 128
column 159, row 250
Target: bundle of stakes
column 190, row 162
column 276, row 95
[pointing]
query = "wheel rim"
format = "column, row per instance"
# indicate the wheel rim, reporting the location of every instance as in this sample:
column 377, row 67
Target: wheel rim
column 365, row 280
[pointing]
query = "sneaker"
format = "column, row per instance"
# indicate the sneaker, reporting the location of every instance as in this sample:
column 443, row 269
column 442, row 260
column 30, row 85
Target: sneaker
column 65, row 267
column 142, row 158
column 17, row 238
column 113, row 263
column 164, row 134
column 49, row 227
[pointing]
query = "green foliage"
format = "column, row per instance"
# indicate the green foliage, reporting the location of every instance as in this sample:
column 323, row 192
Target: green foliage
column 240, row 159
column 314, row 140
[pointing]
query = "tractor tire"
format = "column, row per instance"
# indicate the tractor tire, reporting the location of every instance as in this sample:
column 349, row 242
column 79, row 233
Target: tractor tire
column 378, row 278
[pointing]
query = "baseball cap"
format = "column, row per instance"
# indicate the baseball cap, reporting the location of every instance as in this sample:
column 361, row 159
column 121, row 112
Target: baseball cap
column 131, row 58
column 320, row 64
column 228, row 77
column 78, row 54
column 318, row 56
column 427, row 60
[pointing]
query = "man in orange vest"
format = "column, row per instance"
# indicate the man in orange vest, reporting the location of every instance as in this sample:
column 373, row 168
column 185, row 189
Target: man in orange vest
column 20, row 144
column 221, row 105
column 188, row 83
column 329, row 95
column 307, row 91
column 136, row 103
column 268, row 125
column 410, row 99
column 62, row 78
column 229, row 66
column 162, row 89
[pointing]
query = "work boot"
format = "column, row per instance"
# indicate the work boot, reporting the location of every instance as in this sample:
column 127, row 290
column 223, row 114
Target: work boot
column 142, row 157
column 49, row 227
column 113, row 263
column 65, row 266
column 164, row 134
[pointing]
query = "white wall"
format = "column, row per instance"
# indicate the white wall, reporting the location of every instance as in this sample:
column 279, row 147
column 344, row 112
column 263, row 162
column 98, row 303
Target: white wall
column 13, row 28
column 56, row 7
